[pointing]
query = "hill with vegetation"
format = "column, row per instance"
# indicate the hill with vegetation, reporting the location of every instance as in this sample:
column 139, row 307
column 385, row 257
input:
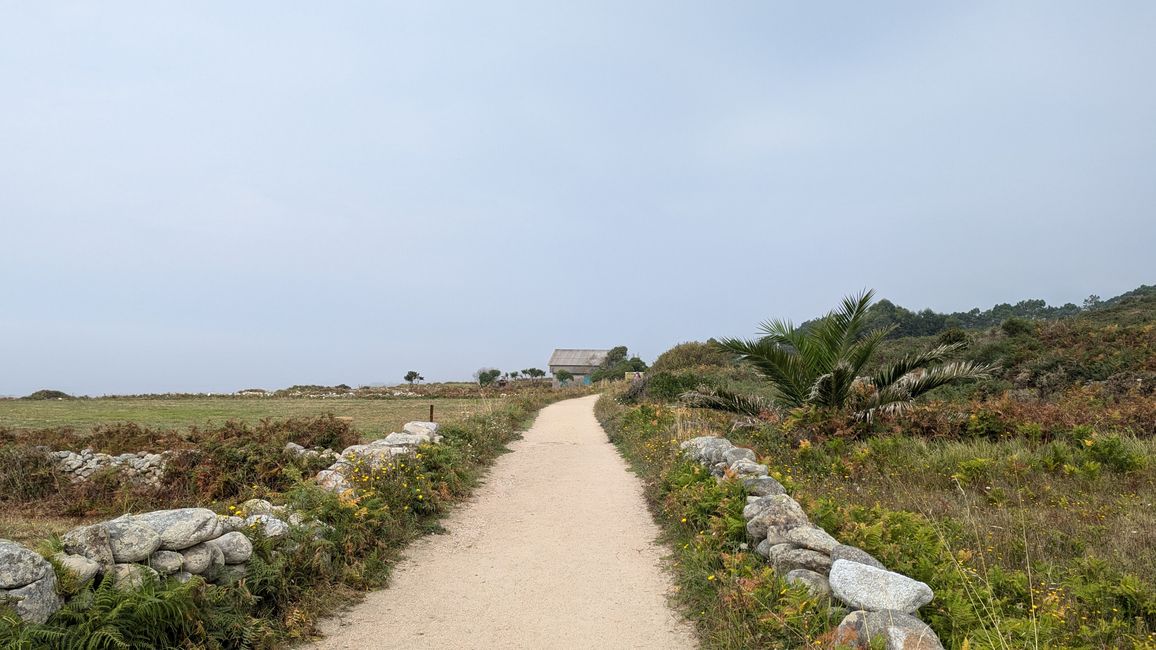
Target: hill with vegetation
column 1006, row 457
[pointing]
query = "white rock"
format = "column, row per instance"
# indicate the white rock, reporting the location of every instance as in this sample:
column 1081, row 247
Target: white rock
column 333, row 481
column 747, row 467
column 406, row 439
column 166, row 562
column 235, row 546
column 867, row 587
column 261, row 507
column 812, row 537
column 735, row 454
column 272, row 526
column 422, row 428
column 182, row 527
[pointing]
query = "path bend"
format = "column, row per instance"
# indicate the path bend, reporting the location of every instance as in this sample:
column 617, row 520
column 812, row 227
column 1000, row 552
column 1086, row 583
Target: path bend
column 556, row 550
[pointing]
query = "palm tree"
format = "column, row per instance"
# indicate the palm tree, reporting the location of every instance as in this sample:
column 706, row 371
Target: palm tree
column 821, row 365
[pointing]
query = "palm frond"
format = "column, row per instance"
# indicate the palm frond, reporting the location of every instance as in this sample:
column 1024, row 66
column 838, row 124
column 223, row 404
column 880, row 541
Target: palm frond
column 916, row 385
column 831, row 390
column 900, row 395
column 900, row 369
column 861, row 352
column 782, row 365
column 722, row 400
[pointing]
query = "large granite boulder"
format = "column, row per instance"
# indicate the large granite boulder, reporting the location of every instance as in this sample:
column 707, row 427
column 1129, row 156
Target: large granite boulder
column 423, row 429
column 131, row 541
column 407, row 439
column 786, row 558
column 762, row 486
column 707, row 450
column 735, row 454
column 20, row 566
column 333, row 481
column 779, row 512
column 91, row 542
column 889, row 629
column 183, row 527
column 815, row 582
column 811, row 537
column 166, row 562
column 198, row 559
column 235, row 547
column 870, row 588
column 845, row 552
column 36, row 601
column 745, row 467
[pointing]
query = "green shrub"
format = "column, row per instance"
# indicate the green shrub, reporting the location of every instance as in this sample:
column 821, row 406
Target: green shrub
column 668, row 386
column 1114, row 453
column 1017, row 327
column 693, row 354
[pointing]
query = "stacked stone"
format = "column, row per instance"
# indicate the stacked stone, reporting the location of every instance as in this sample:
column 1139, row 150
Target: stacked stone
column 885, row 602
column 295, row 449
column 27, row 582
column 144, row 467
column 179, row 543
column 376, row 454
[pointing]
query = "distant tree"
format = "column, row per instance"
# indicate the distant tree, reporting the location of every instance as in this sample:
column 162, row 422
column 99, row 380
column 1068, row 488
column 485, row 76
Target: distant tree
column 563, row 376
column 413, row 376
column 534, row 373
column 952, row 336
column 1018, row 327
column 617, row 365
column 486, row 376
column 514, row 374
column 1092, row 301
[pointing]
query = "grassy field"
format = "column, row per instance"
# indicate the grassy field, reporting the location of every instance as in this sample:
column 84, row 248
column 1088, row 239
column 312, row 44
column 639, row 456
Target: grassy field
column 373, row 418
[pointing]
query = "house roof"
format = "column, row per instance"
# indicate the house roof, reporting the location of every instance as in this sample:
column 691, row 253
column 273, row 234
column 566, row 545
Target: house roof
column 572, row 357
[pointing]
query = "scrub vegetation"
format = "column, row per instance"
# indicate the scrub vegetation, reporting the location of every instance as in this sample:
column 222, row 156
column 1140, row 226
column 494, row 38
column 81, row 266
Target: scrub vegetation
column 1023, row 496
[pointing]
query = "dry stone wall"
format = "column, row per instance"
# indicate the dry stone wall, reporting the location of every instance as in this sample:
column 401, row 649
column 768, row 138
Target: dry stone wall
column 885, row 603
column 144, row 467
column 376, row 454
column 177, row 543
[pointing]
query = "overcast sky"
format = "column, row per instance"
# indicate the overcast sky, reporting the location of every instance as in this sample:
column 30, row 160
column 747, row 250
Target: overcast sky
column 212, row 196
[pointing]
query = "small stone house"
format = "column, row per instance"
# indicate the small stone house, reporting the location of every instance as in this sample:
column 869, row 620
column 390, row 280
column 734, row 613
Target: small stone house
column 580, row 363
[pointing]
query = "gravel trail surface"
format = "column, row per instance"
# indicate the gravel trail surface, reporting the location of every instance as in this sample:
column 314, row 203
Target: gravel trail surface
column 556, row 550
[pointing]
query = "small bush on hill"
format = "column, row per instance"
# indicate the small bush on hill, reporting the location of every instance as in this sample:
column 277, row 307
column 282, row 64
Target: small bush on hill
column 1018, row 327
column 693, row 354
column 49, row 394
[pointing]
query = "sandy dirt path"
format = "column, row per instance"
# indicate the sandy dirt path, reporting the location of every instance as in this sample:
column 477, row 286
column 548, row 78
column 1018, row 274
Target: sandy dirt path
column 556, row 550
